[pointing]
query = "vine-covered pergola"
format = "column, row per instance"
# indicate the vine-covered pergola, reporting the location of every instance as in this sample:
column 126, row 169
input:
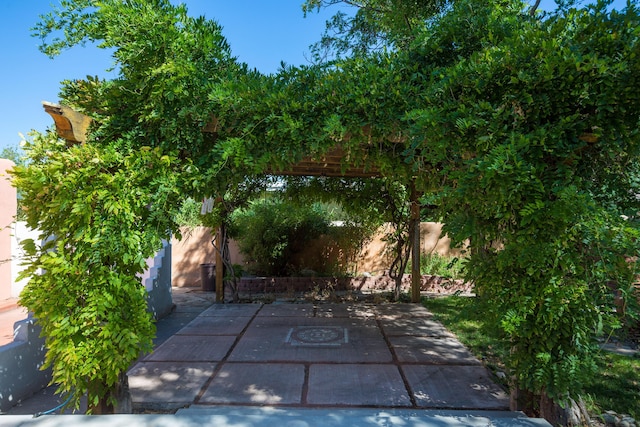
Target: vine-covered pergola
column 519, row 129
column 72, row 127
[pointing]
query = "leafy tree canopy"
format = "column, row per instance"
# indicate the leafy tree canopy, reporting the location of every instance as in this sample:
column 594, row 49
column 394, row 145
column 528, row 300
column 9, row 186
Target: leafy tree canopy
column 521, row 127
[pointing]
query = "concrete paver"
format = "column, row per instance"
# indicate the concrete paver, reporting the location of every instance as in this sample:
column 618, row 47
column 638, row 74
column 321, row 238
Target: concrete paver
column 187, row 348
column 167, row 385
column 215, row 325
column 287, row 310
column 430, row 350
column 266, row 341
column 363, row 311
column 455, row 387
column 329, row 355
column 307, row 365
column 248, row 383
column 357, row 385
column 399, row 311
column 231, row 310
column 419, row 326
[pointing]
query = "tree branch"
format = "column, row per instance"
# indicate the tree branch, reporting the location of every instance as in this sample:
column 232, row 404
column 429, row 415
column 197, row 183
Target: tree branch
column 533, row 9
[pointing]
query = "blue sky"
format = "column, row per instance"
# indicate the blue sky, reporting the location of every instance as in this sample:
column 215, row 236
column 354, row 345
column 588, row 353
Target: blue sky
column 261, row 33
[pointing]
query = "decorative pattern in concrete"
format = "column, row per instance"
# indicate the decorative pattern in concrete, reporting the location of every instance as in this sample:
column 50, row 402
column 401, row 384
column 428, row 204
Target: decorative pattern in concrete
column 318, row 336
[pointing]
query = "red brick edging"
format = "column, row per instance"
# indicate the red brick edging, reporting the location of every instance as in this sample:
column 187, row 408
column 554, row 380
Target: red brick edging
column 433, row 284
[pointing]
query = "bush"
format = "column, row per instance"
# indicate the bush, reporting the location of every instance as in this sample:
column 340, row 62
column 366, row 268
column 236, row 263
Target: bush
column 438, row 265
column 189, row 213
column 271, row 231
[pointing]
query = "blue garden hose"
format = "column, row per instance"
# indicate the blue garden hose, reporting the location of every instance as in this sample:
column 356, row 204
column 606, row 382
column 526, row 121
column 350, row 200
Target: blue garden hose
column 51, row 411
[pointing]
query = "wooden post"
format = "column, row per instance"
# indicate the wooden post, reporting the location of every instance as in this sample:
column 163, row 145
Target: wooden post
column 219, row 267
column 415, row 244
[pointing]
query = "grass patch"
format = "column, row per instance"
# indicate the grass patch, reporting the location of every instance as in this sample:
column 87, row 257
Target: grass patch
column 616, row 385
column 464, row 317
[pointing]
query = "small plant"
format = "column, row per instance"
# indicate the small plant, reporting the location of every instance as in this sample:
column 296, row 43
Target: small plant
column 189, row 213
column 435, row 264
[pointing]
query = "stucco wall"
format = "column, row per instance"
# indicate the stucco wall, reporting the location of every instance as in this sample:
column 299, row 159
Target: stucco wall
column 20, row 232
column 195, row 248
column 20, row 363
column 8, row 206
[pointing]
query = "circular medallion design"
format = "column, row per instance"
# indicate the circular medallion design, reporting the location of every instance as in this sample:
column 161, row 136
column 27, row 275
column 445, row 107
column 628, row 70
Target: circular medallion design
column 317, row 336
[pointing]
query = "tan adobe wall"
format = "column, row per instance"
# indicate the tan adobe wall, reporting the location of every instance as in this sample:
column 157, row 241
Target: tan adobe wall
column 195, row 248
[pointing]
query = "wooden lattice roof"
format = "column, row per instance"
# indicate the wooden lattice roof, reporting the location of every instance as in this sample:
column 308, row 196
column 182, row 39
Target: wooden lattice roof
column 72, row 126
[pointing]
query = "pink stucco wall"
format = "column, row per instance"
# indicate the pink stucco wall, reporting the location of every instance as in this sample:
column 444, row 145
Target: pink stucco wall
column 8, row 206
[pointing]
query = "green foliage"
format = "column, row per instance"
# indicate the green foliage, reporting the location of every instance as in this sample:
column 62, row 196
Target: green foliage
column 374, row 25
column 521, row 131
column 271, row 231
column 13, row 153
column 369, row 203
column 438, row 265
column 189, row 213
column 613, row 386
column 511, row 109
column 166, row 61
column 101, row 213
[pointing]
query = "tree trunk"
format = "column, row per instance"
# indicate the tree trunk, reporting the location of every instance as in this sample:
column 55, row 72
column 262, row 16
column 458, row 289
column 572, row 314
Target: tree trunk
column 541, row 405
column 414, row 236
column 116, row 400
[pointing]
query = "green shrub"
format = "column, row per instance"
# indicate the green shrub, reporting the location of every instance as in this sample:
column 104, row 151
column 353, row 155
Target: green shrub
column 189, row 213
column 271, row 231
column 439, row 265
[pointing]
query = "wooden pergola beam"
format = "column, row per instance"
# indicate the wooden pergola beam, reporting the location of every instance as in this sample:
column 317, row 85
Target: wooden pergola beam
column 70, row 125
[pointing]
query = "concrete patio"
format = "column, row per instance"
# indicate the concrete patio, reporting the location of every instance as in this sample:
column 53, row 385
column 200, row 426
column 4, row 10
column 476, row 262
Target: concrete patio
column 302, row 365
column 305, row 355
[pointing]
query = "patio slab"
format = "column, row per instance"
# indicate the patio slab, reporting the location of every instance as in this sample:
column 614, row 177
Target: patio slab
column 459, row 387
column 431, row 350
column 417, row 326
column 287, row 310
column 364, row 311
column 361, row 341
column 322, row 355
column 248, row 383
column 167, row 385
column 185, row 348
column 215, row 325
column 231, row 310
column 399, row 311
column 327, row 390
column 357, row 385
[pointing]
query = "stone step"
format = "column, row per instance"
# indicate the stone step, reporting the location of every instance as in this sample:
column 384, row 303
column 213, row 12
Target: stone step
column 223, row 416
column 284, row 417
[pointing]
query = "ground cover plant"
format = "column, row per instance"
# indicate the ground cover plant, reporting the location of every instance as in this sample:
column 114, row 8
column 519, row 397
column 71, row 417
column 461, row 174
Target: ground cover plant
column 614, row 385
